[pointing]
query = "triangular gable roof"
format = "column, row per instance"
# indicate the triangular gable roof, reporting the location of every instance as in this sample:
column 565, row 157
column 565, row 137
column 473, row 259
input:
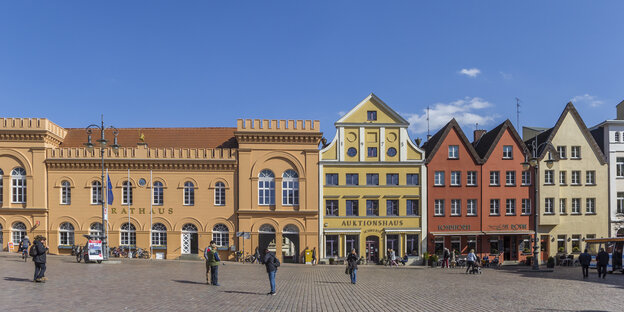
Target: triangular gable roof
column 379, row 103
column 549, row 134
column 432, row 145
column 486, row 144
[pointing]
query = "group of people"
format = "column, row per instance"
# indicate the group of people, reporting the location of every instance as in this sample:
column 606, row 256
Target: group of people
column 393, row 260
column 602, row 260
column 37, row 251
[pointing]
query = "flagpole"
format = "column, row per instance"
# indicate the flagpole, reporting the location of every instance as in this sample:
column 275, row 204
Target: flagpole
column 105, row 249
column 129, row 223
column 151, row 200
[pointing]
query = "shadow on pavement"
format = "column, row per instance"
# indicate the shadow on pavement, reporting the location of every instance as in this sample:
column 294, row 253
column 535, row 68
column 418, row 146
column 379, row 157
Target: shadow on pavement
column 328, row 282
column 571, row 274
column 189, row 282
column 243, row 292
column 16, row 279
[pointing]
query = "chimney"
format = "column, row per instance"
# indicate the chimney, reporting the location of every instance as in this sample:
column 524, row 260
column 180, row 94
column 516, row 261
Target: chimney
column 620, row 111
column 478, row 134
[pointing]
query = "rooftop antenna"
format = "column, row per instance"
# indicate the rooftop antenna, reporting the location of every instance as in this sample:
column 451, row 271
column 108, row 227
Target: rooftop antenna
column 517, row 113
column 476, row 126
column 428, row 135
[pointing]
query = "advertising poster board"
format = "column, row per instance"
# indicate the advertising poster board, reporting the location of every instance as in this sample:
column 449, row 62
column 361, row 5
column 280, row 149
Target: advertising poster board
column 95, row 250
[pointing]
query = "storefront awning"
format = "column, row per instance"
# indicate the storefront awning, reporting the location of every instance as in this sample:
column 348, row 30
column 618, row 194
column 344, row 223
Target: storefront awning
column 342, row 230
column 401, row 230
column 509, row 233
column 458, row 233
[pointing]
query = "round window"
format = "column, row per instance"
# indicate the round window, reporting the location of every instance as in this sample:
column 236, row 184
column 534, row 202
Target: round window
column 392, row 152
column 142, row 182
column 351, row 151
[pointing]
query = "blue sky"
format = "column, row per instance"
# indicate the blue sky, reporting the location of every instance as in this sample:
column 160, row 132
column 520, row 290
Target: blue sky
column 207, row 63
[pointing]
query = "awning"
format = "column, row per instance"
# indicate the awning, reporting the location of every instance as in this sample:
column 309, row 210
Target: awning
column 402, row 230
column 342, row 230
column 509, row 233
column 458, row 233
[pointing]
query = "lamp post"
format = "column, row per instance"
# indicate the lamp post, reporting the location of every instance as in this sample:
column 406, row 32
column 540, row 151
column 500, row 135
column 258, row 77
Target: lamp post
column 533, row 162
column 103, row 145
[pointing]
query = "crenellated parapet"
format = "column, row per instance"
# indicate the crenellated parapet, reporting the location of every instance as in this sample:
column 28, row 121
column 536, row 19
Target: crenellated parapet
column 282, row 131
column 31, row 130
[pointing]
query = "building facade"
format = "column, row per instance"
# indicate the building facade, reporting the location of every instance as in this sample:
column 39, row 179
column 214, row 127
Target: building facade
column 372, row 181
column 572, row 184
column 609, row 135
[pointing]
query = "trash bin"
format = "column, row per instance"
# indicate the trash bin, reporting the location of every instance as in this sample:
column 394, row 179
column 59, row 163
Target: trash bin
column 308, row 256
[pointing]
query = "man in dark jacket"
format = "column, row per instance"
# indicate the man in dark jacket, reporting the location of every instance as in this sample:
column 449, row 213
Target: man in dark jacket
column 352, row 265
column 585, row 260
column 602, row 261
column 212, row 260
column 40, row 250
column 271, row 264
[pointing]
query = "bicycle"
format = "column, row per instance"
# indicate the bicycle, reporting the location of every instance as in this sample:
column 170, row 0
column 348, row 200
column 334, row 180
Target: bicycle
column 25, row 254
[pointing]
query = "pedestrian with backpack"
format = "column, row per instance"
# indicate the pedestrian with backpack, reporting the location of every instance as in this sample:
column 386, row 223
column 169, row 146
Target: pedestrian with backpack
column 271, row 263
column 38, row 253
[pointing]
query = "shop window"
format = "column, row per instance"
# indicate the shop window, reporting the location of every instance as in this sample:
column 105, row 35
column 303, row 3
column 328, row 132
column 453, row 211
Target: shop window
column 494, row 245
column 352, row 242
column 439, row 245
column 456, row 243
column 576, row 243
column 472, row 243
column 331, row 246
column 412, row 244
column 561, row 243
column 393, row 244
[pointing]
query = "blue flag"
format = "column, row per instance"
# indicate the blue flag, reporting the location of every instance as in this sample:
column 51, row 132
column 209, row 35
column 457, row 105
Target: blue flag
column 109, row 193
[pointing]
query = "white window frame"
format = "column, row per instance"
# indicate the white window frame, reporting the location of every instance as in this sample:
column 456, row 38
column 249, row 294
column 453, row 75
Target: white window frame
column 548, row 205
column 526, row 177
column 158, row 198
column 590, row 177
column 561, row 150
column 219, row 192
column 266, row 188
column 510, row 178
column 455, row 207
column 563, row 206
column 65, row 193
column 438, row 178
column 590, row 205
column 471, row 178
column 126, row 193
column 95, row 229
column 549, row 177
column 619, row 167
column 455, row 178
column 620, row 203
column 66, row 234
column 127, row 235
column 438, row 207
column 290, row 188
column 453, row 152
column 495, row 178
column 507, row 152
column 510, row 207
column 18, row 186
column 471, row 207
column 576, row 177
column 575, row 206
column 494, row 207
column 526, row 206
column 159, row 234
column 562, row 177
column 18, row 231
column 96, row 192
column 221, row 235
column 189, row 193
column 575, row 152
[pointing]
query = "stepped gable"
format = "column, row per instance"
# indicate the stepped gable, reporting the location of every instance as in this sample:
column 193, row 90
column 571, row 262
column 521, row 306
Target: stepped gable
column 216, row 137
column 486, row 144
column 433, row 144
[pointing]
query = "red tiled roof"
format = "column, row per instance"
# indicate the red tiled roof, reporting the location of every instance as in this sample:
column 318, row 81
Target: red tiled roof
column 158, row 137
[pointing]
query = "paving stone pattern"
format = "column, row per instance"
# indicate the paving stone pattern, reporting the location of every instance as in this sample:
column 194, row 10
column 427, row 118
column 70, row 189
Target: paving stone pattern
column 143, row 285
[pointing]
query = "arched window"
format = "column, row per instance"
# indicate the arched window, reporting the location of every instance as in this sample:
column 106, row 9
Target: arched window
column 158, row 193
column 190, row 228
column 65, row 193
column 66, row 234
column 96, row 192
column 18, row 232
column 266, row 229
column 220, row 235
column 126, row 193
column 159, row 234
column 1, row 186
column 95, row 229
column 219, row 194
column 128, row 234
column 18, row 185
column 189, row 193
column 266, row 188
column 290, row 188
column 290, row 229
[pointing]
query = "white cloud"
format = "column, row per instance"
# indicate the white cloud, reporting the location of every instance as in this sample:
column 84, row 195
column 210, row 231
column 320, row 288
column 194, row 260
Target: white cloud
column 590, row 100
column 467, row 112
column 341, row 113
column 472, row 73
column 505, row 75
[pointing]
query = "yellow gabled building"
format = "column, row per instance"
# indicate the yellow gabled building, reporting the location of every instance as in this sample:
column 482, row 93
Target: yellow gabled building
column 372, row 186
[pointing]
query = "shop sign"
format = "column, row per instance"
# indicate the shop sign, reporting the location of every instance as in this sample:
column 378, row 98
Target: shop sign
column 506, row 227
column 352, row 223
column 454, row 227
column 142, row 211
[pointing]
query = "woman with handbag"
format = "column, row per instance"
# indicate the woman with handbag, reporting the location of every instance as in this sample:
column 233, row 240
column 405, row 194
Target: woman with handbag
column 352, row 265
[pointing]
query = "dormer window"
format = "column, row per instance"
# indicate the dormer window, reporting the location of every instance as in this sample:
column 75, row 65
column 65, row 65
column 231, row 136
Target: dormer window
column 371, row 115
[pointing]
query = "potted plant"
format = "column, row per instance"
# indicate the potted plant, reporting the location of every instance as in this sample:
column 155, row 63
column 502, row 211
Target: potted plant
column 576, row 249
column 425, row 258
column 551, row 262
column 331, row 260
column 561, row 249
column 526, row 251
column 433, row 260
column 494, row 252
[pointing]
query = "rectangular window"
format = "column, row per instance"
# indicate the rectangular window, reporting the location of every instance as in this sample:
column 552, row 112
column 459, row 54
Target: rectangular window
column 526, row 206
column 590, row 205
column 548, row 205
column 510, row 207
column 591, row 247
column 549, row 176
column 472, row 243
column 372, row 152
column 494, row 247
column 455, row 178
column 438, row 246
column 412, row 179
column 562, row 152
column 352, row 242
column 412, row 244
column 392, row 179
column 372, row 179
column 331, row 208
column 392, row 207
column 455, row 207
column 575, row 152
column 455, row 243
column 352, row 208
column 510, row 178
column 576, row 178
column 619, row 167
column 438, row 178
column 453, row 151
column 561, row 243
column 526, row 177
column 331, row 246
column 438, row 207
column 576, row 206
column 576, row 243
column 562, row 178
column 494, row 178
column 371, row 115
column 507, row 152
column 471, row 207
column 620, row 202
column 65, row 194
column 352, row 179
column 494, row 207
column 562, row 206
column 471, row 178
column 590, row 177
column 331, row 179
column 412, row 207
column 372, row 207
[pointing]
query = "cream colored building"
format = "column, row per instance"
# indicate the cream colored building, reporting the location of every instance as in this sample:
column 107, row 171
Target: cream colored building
column 373, row 182
column 573, row 190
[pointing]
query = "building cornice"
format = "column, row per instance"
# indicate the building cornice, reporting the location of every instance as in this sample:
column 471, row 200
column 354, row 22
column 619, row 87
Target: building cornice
column 142, row 164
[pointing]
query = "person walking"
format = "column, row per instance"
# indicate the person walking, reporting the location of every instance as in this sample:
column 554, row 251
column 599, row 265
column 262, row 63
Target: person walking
column 585, row 260
column 271, row 263
column 213, row 261
column 207, row 251
column 446, row 254
column 453, row 258
column 470, row 260
column 393, row 258
column 314, row 256
column 38, row 252
column 352, row 265
column 602, row 261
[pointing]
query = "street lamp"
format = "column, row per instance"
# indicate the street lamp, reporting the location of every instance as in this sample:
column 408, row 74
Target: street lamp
column 102, row 144
column 534, row 163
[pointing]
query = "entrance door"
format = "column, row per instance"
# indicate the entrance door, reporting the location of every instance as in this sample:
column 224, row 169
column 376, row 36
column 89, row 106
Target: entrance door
column 189, row 239
column 506, row 248
column 372, row 249
column 544, row 247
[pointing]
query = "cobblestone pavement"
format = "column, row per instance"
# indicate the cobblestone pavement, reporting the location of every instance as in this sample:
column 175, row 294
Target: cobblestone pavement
column 143, row 285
